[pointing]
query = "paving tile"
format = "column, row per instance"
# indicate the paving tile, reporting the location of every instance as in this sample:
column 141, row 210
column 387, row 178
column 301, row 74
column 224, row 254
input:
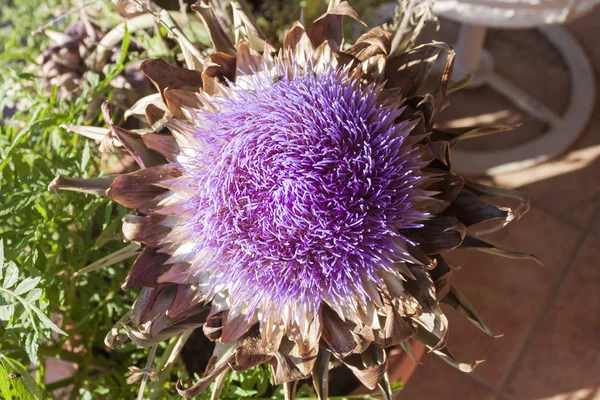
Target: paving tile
column 563, row 361
column 596, row 225
column 526, row 59
column 586, row 31
column 436, row 380
column 483, row 105
column 508, row 294
column 569, row 185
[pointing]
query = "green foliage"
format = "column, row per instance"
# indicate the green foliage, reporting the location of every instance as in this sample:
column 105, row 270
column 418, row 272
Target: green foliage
column 46, row 309
column 15, row 381
column 46, row 239
column 252, row 383
column 18, row 19
column 22, row 308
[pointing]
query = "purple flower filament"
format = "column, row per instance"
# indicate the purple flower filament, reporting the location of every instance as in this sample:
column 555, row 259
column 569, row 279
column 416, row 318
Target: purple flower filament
column 299, row 188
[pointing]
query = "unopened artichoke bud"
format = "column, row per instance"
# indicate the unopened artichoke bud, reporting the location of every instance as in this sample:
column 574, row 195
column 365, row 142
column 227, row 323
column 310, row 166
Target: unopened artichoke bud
column 67, row 63
column 297, row 203
column 63, row 64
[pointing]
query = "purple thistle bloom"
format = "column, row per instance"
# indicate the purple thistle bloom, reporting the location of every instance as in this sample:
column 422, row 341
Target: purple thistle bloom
column 293, row 210
column 299, row 187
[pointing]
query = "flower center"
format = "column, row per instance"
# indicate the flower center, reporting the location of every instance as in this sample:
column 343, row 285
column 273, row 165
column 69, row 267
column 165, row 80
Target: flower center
column 308, row 181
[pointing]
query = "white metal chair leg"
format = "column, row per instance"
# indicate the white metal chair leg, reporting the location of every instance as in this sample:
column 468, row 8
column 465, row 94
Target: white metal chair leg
column 523, row 100
column 564, row 130
column 470, row 53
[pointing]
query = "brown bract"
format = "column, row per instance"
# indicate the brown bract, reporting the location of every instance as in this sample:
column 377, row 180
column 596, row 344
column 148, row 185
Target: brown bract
column 408, row 306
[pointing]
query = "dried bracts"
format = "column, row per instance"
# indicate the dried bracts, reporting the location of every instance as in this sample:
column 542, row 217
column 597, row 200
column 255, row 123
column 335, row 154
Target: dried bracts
column 296, row 203
column 84, row 48
column 63, row 64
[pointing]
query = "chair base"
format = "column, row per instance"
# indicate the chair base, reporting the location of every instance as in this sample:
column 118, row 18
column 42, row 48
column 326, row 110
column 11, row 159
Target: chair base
column 564, row 130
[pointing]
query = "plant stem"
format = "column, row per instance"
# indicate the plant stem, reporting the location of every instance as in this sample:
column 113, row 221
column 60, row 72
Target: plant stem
column 403, row 26
column 60, row 383
column 166, row 362
column 146, row 370
column 61, row 17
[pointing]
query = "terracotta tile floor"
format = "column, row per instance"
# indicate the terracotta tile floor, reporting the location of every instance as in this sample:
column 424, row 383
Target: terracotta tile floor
column 550, row 316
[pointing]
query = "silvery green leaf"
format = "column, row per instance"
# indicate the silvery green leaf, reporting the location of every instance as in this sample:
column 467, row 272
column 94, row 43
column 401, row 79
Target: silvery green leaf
column 34, row 295
column 1, row 257
column 111, row 259
column 11, row 275
column 26, row 285
column 93, row 78
column 46, row 321
column 6, row 312
column 32, row 344
column 85, row 157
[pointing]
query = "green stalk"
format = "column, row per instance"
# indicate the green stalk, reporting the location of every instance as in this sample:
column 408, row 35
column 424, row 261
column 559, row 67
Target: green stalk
column 167, row 361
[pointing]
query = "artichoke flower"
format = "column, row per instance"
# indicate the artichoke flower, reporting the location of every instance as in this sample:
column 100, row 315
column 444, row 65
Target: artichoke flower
column 296, row 203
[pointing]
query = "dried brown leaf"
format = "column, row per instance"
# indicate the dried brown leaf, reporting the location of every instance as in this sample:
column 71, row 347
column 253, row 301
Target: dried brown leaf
column 329, row 25
column 141, row 189
column 222, row 356
column 472, row 241
column 219, row 38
